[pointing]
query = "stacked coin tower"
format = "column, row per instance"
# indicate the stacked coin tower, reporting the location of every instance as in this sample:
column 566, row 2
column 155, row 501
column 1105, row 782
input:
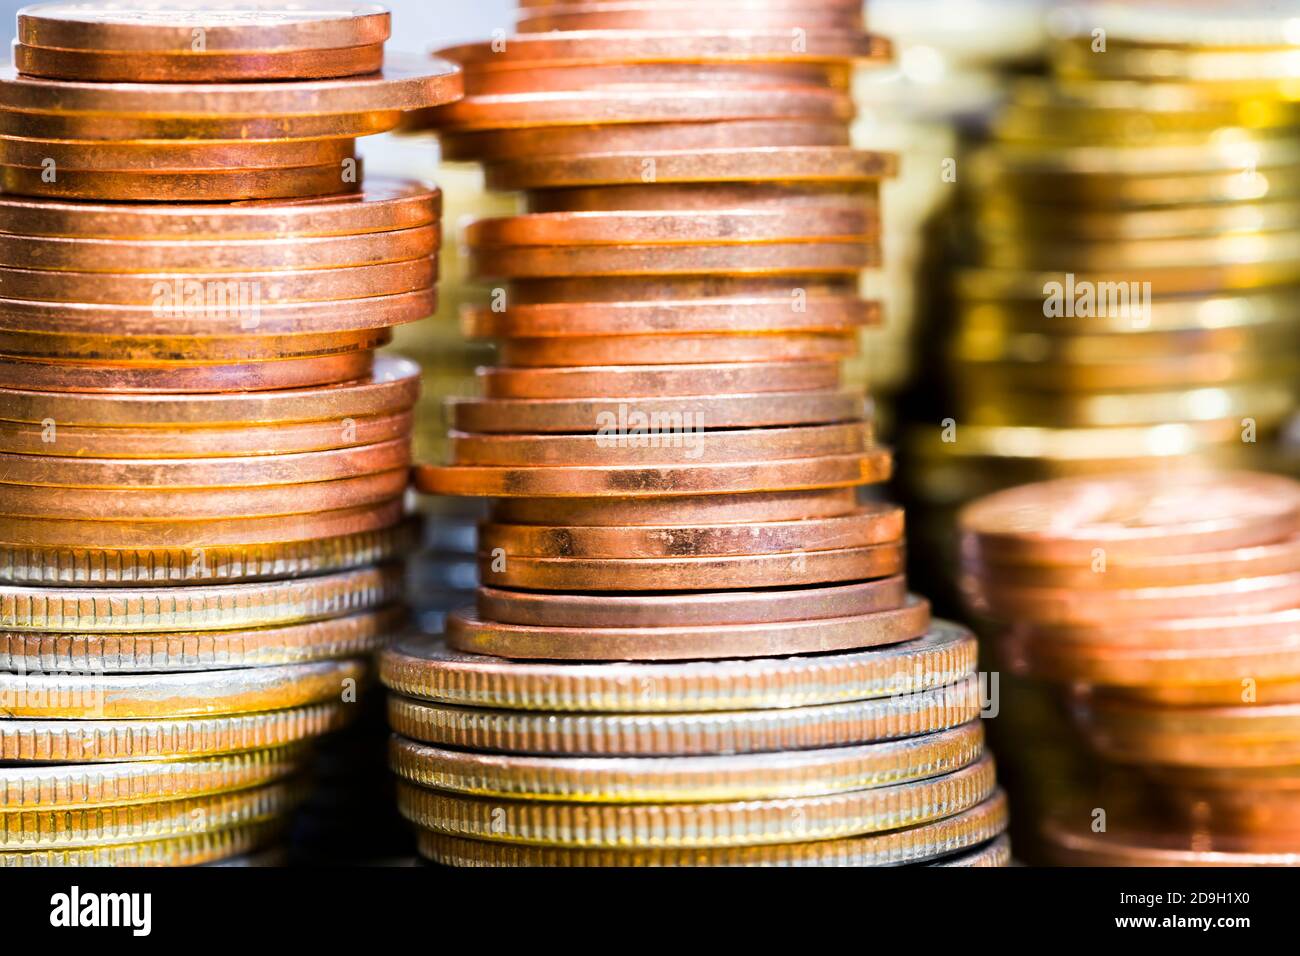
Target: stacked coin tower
column 1164, row 612
column 694, row 644
column 202, row 464
column 1131, row 246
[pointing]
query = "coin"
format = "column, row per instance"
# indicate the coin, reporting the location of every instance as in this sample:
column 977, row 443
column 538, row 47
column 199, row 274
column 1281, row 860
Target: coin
column 83, row 741
column 132, row 823
column 677, row 349
column 637, row 414
column 168, row 25
column 631, row 481
column 870, row 525
column 226, row 185
column 708, row 509
column 161, row 696
column 723, row 445
column 1079, row 846
column 381, row 205
column 426, row 668
column 654, row 825
column 565, row 609
column 604, row 381
column 35, row 787
column 687, row 779
column 1129, row 517
column 915, row 844
column 63, row 654
column 467, row 633
column 134, row 66
column 188, row 850
column 138, row 158
column 211, row 607
column 632, row 735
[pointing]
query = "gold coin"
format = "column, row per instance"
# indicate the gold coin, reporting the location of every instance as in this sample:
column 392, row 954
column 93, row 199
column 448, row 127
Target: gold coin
column 189, row 850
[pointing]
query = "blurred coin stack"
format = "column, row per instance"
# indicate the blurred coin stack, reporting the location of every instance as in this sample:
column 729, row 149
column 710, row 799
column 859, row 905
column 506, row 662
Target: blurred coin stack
column 202, row 464
column 1163, row 611
column 1131, row 235
column 694, row 644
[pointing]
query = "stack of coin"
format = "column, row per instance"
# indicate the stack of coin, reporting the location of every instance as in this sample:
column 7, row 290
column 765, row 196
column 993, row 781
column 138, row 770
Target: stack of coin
column 203, row 465
column 1163, row 610
column 1131, row 244
column 693, row 644
column 184, row 101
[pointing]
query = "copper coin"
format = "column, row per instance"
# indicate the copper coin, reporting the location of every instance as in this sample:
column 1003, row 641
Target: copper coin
column 741, row 823
column 192, row 694
column 704, row 509
column 1130, row 516
column 870, row 524
column 1077, row 845
column 85, row 741
column 87, row 564
column 1053, row 606
column 120, row 351
column 668, row 779
column 918, row 844
column 650, row 16
column 198, row 607
column 410, row 85
column 775, row 258
column 290, row 182
column 530, row 608
column 238, row 294
column 829, row 222
column 225, row 308
column 424, row 667
column 664, row 380
column 251, row 470
column 693, row 573
column 823, row 165
column 791, row 313
column 277, row 374
column 495, row 145
column 683, row 193
column 615, row 289
column 673, row 45
column 677, row 349
column 686, row 734
column 467, row 633
column 632, row 481
column 116, row 351
column 1153, row 571
column 224, row 255
column 382, row 205
column 766, row 444
column 148, row 504
column 1248, row 735
column 120, row 66
column 83, row 441
column 107, row 128
column 392, row 385
column 109, row 158
column 650, row 103
column 625, row 419
column 168, row 25
column 547, row 77
column 173, row 542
